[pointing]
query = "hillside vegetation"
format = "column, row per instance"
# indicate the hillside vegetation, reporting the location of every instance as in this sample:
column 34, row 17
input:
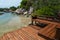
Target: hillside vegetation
column 43, row 7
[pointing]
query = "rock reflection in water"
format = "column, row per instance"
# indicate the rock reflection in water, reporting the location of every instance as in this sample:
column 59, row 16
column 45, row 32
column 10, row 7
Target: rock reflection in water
column 1, row 13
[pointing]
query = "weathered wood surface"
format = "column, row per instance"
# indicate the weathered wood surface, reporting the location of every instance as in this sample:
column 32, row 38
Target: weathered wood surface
column 31, row 32
column 26, row 33
column 50, row 30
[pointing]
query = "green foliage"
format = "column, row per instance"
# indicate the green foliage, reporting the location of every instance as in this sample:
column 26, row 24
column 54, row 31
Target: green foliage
column 48, row 7
column 13, row 8
column 45, row 11
column 42, row 7
column 1, row 9
column 25, row 4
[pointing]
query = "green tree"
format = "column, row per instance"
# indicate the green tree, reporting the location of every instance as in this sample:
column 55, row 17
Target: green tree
column 26, row 4
column 43, row 7
column 1, row 9
column 46, row 11
column 13, row 8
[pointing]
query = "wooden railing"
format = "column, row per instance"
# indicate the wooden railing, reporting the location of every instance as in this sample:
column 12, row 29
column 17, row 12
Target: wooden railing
column 48, row 31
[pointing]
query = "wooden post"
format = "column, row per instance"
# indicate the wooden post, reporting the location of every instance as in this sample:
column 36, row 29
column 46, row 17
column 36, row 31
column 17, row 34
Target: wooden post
column 57, row 34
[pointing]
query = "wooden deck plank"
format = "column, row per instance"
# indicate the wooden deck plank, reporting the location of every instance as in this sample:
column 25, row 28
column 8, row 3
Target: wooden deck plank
column 45, row 21
column 33, row 33
column 50, row 32
column 24, row 35
column 53, row 34
column 10, row 36
column 50, row 29
column 14, row 36
column 17, row 36
column 3, row 38
column 44, row 29
column 36, row 27
column 31, row 36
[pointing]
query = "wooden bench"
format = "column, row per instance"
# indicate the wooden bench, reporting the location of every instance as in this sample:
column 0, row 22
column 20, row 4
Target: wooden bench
column 35, row 27
column 48, row 31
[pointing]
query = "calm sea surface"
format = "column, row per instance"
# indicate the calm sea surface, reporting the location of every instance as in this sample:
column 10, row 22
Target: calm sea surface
column 11, row 21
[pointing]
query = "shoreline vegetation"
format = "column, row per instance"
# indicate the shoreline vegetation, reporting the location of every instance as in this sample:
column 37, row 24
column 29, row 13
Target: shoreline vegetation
column 46, row 8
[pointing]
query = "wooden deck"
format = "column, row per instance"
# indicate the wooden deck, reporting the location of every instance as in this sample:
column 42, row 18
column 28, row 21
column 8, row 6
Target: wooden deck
column 48, row 31
column 33, row 32
column 26, row 33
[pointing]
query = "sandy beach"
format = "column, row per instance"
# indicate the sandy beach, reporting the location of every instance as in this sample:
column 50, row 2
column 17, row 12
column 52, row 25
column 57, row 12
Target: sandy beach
column 14, row 24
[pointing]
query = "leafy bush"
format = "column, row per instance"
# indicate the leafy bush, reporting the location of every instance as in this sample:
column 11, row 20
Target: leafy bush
column 43, row 7
column 46, row 11
column 13, row 8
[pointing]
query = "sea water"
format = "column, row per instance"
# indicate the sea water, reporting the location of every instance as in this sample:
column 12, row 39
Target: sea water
column 11, row 21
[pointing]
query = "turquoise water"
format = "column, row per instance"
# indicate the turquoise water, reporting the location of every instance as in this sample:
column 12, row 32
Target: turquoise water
column 4, row 18
column 11, row 21
column 6, row 21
